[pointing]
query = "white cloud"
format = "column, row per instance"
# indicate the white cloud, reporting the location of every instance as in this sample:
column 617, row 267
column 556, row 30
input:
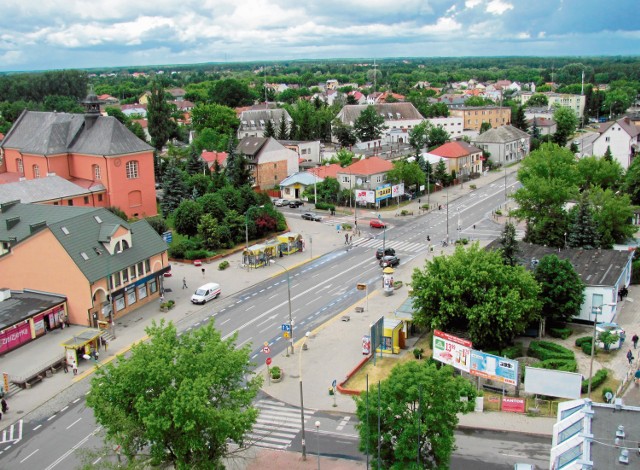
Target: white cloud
column 498, row 7
column 472, row 3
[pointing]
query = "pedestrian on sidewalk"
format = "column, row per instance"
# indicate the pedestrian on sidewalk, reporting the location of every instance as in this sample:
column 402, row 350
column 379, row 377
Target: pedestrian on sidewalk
column 184, row 283
column 203, row 272
column 5, row 407
column 65, row 366
column 346, row 238
column 630, row 356
column 634, row 340
column 74, row 366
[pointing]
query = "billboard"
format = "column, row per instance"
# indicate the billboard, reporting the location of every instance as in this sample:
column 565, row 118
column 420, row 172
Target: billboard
column 397, row 190
column 363, row 196
column 553, row 383
column 451, row 350
column 513, row 405
column 493, row 367
column 383, row 192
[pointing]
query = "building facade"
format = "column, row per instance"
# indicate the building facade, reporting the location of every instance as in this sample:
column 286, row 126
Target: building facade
column 473, row 117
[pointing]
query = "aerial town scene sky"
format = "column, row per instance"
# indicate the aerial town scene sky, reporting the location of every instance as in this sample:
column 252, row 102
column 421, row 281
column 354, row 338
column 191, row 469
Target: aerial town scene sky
column 54, row 34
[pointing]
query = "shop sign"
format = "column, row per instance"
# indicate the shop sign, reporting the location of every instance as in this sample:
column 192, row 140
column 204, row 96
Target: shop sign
column 13, row 337
column 452, row 350
column 493, row 367
column 512, row 404
column 383, row 192
column 365, row 196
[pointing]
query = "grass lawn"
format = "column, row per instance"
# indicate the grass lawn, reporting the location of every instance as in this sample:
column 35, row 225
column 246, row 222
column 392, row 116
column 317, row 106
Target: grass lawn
column 383, row 366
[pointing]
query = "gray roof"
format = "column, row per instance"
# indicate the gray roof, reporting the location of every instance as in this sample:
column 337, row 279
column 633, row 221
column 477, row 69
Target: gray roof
column 625, row 123
column 43, row 189
column 260, row 118
column 595, row 267
column 250, row 146
column 46, row 133
column 83, row 232
column 304, row 178
column 501, row 135
column 25, row 304
column 398, row 111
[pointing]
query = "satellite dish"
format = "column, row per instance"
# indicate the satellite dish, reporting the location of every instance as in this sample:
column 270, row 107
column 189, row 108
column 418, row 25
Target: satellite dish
column 359, row 181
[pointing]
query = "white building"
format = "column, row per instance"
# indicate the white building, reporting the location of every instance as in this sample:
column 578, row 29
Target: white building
column 622, row 137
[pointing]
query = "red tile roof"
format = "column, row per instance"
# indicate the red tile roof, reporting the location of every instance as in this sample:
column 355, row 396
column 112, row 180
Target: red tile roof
column 211, row 157
column 455, row 149
column 368, row 166
column 326, row 171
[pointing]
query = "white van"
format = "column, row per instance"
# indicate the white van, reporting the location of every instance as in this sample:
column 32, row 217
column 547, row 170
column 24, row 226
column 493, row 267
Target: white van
column 205, row 293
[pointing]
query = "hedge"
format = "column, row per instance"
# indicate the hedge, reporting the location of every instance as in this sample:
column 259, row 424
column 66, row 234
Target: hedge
column 544, row 350
column 586, row 348
column 563, row 333
column 325, row 206
column 596, row 381
column 565, row 365
column 511, row 352
column 583, row 339
column 196, row 254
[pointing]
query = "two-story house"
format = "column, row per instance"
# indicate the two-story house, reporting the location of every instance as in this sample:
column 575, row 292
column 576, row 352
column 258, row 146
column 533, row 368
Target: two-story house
column 253, row 122
column 622, row 137
column 505, row 144
column 474, row 116
column 269, row 161
column 367, row 173
column 462, row 158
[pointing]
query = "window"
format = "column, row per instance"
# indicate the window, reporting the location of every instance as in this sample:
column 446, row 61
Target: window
column 36, row 171
column 345, row 179
column 147, row 266
column 70, row 202
column 140, row 269
column 142, row 291
column 153, row 286
column 116, row 277
column 125, row 275
column 100, row 197
column 131, row 297
column 132, row 271
column 20, row 167
column 132, row 169
column 96, row 173
column 86, row 199
column 119, row 301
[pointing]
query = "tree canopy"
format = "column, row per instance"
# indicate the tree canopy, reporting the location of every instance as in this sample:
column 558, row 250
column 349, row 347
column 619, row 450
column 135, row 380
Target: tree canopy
column 161, row 127
column 184, row 398
column 475, row 292
column 561, row 289
column 369, row 125
column 566, row 123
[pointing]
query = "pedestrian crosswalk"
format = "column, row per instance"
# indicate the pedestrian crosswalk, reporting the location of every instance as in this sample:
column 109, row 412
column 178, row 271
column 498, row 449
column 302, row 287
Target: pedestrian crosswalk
column 12, row 434
column 411, row 247
column 277, row 424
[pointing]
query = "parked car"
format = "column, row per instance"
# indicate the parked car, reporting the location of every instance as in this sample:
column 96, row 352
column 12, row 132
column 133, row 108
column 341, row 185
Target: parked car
column 311, row 216
column 389, row 260
column 386, row 252
column 296, row 203
column 377, row 223
column 281, row 202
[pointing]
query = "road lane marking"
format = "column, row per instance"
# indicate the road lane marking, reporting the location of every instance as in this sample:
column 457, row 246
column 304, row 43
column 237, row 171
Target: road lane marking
column 97, row 460
column 73, row 449
column 76, row 421
column 249, row 308
column 29, row 455
column 76, row 400
column 37, row 427
column 273, row 296
column 64, row 409
column 51, row 417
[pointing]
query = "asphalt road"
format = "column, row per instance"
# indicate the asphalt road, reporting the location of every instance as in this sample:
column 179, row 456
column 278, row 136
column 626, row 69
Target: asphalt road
column 318, row 290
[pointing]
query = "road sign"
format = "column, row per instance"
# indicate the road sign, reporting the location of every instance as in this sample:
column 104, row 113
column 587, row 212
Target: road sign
column 286, row 327
column 266, row 350
column 334, row 383
column 268, row 361
column 167, row 236
column 286, row 334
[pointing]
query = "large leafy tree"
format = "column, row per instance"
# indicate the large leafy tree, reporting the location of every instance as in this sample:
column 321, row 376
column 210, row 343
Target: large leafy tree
column 232, row 93
column 237, row 170
column 632, row 182
column 519, row 119
column 327, row 190
column 583, row 229
column 537, row 99
column 613, row 214
column 510, row 249
column 221, row 119
column 437, row 136
column 345, row 157
column 161, row 126
column 440, row 174
column 343, row 133
column 186, row 217
column 561, row 289
column 566, row 123
column 369, row 125
column 417, row 406
column 474, row 291
column 419, row 137
column 174, row 189
column 406, row 172
column 184, row 397
column 596, row 171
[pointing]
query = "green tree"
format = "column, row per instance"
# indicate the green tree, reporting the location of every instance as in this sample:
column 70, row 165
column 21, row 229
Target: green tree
column 161, row 127
column 208, row 139
column 613, row 214
column 476, row 101
column 158, row 224
column 369, row 125
column 437, row 136
column 237, row 170
column 607, row 154
column 436, row 110
column 219, row 118
column 632, row 181
column 183, row 397
column 566, row 123
column 117, row 211
column 419, row 137
column 214, row 235
column 418, row 409
column 537, row 99
column 283, row 128
column 232, row 93
column 327, row 190
column 595, row 171
column 345, row 157
column 474, row 291
column 186, row 217
column 62, row 104
column 583, row 229
column 510, row 249
column 408, row 173
column 195, row 164
column 519, row 119
column 343, row 133
column 440, row 174
column 269, row 129
column 484, row 127
column 561, row 289
column 174, row 189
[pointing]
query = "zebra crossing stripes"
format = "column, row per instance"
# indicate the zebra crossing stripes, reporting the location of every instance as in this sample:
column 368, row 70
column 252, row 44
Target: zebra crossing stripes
column 277, row 424
column 396, row 245
column 13, row 434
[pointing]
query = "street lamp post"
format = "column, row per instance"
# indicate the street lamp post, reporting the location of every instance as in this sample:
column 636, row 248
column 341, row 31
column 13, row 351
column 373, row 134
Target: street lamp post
column 318, row 440
column 505, row 180
column 289, row 302
column 447, row 191
column 304, row 444
column 596, row 310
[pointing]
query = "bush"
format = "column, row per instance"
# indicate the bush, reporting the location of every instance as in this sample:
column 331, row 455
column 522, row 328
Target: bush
column 196, row 254
column 565, row 365
column 498, row 212
column 586, row 348
column 325, row 206
column 417, row 353
column 596, row 381
column 178, row 250
column 510, row 352
column 170, row 303
column 544, row 350
column 473, row 186
column 462, row 241
column 346, row 227
column 224, row 265
column 563, row 333
column 605, row 390
column 583, row 339
column 275, row 372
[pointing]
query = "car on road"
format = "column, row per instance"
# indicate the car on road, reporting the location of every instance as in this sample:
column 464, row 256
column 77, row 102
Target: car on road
column 385, row 252
column 296, row 203
column 205, row 293
column 389, row 260
column 311, row 216
column 281, row 202
column 377, row 223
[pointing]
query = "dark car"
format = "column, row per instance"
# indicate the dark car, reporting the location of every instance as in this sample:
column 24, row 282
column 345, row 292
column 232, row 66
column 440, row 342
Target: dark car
column 296, row 203
column 390, row 260
column 386, row 252
column 311, row 216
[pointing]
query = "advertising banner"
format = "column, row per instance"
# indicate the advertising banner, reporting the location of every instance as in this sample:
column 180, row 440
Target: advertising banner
column 452, row 350
column 14, row 336
column 493, row 367
column 514, row 405
column 383, row 192
column 364, row 196
column 397, row 190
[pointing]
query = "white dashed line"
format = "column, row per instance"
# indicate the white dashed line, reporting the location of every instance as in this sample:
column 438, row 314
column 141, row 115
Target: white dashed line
column 37, row 427
column 51, row 417
column 64, row 409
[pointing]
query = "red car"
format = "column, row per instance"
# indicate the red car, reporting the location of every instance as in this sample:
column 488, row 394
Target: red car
column 377, row 223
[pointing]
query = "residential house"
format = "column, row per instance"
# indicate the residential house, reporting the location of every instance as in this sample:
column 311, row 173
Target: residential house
column 622, row 137
column 399, row 118
column 136, row 109
column 269, row 161
column 253, row 122
column 573, row 102
column 210, row 159
column 332, row 84
column 144, row 98
column 453, row 125
column 293, row 186
column 546, row 126
column 473, row 117
column 359, row 97
column 451, row 100
column 538, row 112
column 144, row 123
column 55, row 190
column 177, row 93
column 367, row 173
column 110, row 267
column 308, row 151
column 462, row 158
column 109, row 100
column 604, row 273
column 88, row 150
column 505, row 144
column 326, row 171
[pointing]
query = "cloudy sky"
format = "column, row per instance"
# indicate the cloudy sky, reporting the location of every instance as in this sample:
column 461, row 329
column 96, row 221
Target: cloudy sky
column 54, row 34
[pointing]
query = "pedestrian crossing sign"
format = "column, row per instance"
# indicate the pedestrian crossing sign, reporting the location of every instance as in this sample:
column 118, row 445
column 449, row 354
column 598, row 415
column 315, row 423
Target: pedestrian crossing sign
column 286, row 334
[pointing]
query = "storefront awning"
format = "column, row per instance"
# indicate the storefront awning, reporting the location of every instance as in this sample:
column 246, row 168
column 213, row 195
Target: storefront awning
column 82, row 338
